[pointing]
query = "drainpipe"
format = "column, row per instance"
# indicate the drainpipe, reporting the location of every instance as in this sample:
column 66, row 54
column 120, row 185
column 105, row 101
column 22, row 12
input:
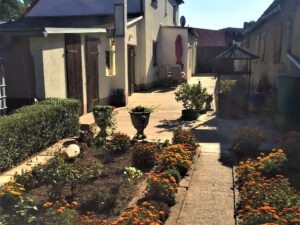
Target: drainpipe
column 294, row 60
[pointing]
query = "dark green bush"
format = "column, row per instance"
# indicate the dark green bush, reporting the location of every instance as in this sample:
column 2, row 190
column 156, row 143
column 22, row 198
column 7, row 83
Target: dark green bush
column 99, row 201
column 144, row 155
column 175, row 174
column 35, row 127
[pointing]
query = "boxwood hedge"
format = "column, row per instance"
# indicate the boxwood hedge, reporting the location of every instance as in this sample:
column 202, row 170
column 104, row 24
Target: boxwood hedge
column 35, row 127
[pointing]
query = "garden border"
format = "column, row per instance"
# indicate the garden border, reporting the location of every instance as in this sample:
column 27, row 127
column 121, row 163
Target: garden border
column 175, row 211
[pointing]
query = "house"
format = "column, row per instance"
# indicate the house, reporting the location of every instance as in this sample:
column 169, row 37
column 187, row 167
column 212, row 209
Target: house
column 71, row 49
column 275, row 39
column 211, row 43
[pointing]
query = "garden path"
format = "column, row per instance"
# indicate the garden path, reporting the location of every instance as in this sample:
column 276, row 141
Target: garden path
column 210, row 198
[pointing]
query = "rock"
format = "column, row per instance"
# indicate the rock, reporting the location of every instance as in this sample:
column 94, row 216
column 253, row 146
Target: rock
column 72, row 151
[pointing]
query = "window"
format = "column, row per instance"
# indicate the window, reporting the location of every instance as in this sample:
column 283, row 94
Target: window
column 288, row 35
column 277, row 45
column 110, row 56
column 154, row 3
column 247, row 43
column 154, row 53
column 107, row 59
column 257, row 44
column 190, row 50
column 263, row 46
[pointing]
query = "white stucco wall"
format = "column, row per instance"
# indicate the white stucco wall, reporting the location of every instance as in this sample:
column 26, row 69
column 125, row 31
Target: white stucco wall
column 49, row 64
column 50, row 70
column 132, row 34
column 105, row 81
column 54, row 66
column 153, row 18
column 166, row 52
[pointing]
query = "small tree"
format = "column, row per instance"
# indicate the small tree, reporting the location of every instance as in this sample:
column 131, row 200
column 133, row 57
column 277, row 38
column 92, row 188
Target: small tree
column 12, row 9
column 193, row 96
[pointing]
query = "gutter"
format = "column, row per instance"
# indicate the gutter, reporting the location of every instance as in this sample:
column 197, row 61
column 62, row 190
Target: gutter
column 262, row 19
column 134, row 21
column 294, row 60
column 54, row 30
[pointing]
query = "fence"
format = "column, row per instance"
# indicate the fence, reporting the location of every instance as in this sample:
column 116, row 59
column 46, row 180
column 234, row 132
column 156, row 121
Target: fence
column 3, row 106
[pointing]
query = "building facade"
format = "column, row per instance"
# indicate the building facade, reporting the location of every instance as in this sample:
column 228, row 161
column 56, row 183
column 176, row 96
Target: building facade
column 67, row 49
column 275, row 39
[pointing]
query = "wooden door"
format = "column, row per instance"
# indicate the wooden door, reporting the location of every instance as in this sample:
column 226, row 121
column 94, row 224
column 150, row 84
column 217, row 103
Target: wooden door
column 74, row 66
column 92, row 72
column 131, row 70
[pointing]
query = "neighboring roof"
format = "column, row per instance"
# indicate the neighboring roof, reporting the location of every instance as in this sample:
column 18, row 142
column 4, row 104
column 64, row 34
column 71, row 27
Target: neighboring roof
column 208, row 38
column 61, row 8
column 232, row 29
column 271, row 10
column 236, row 52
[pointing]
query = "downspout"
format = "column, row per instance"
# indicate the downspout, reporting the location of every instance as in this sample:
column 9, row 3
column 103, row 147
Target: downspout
column 294, row 60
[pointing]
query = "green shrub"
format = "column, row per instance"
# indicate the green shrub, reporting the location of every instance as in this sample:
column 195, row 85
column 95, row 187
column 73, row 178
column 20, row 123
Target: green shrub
column 99, row 201
column 144, row 155
column 67, row 217
column 161, row 187
column 119, row 143
column 290, row 142
column 35, row 127
column 246, row 142
column 184, row 136
column 191, row 95
column 58, row 174
column 174, row 173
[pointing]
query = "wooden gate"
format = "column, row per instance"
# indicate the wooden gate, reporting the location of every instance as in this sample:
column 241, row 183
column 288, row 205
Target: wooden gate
column 92, row 72
column 2, row 90
column 74, row 66
column 131, row 69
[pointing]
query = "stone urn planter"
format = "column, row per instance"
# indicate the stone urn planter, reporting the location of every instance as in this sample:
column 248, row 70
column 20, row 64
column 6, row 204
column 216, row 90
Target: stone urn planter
column 140, row 118
column 103, row 115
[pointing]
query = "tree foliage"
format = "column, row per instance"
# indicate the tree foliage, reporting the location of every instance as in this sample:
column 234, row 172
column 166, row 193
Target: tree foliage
column 12, row 9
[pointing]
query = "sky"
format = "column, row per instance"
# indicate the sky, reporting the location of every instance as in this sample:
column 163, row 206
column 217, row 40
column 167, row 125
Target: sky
column 218, row 14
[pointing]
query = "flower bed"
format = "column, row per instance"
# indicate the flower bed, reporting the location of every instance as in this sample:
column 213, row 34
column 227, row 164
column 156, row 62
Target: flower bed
column 266, row 196
column 97, row 187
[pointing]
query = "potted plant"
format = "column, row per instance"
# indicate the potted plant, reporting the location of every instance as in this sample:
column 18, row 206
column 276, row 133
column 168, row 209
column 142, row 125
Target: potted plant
column 140, row 118
column 193, row 97
column 104, row 118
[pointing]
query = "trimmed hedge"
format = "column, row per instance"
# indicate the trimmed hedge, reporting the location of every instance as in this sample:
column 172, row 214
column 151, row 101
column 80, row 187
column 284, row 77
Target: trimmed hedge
column 35, row 127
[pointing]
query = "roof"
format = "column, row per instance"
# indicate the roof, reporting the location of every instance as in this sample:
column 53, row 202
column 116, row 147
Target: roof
column 207, row 38
column 236, row 52
column 41, row 23
column 61, row 8
column 270, row 11
column 95, row 23
column 191, row 30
